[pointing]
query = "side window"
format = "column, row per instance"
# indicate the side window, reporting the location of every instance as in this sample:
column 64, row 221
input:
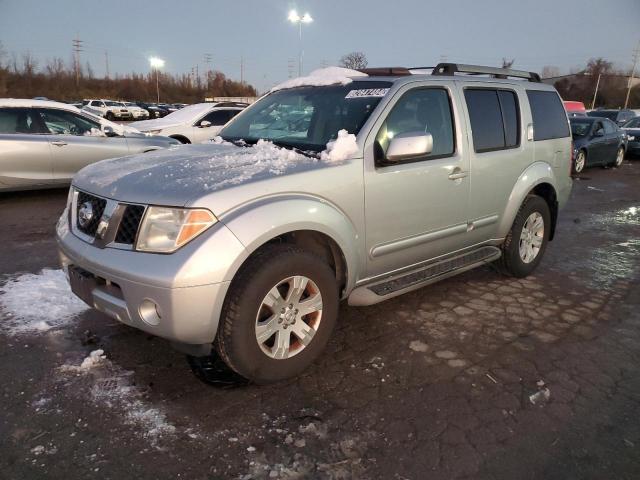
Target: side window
column 549, row 117
column 233, row 113
column 422, row 110
column 511, row 117
column 60, row 122
column 609, row 127
column 485, row 115
column 598, row 128
column 18, row 120
column 217, row 118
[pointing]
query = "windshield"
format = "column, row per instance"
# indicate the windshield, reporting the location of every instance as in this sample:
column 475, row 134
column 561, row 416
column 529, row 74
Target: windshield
column 604, row 114
column 580, row 128
column 307, row 118
column 633, row 123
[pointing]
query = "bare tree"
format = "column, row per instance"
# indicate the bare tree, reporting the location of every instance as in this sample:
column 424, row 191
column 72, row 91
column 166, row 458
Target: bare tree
column 506, row 63
column 354, row 60
column 550, row 71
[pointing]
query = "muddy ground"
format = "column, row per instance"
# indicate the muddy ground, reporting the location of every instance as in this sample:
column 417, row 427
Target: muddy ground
column 478, row 377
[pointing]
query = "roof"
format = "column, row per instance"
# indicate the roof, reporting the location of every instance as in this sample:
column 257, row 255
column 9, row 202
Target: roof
column 29, row 102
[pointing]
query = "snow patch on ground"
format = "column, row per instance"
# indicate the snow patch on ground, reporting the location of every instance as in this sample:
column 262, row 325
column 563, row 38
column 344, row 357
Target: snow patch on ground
column 322, row 77
column 32, row 303
column 114, row 388
column 340, row 149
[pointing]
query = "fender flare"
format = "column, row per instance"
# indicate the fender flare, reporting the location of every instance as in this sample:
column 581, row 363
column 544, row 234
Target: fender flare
column 258, row 222
column 535, row 174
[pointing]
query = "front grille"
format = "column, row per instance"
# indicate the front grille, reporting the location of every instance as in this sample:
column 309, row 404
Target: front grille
column 128, row 228
column 97, row 209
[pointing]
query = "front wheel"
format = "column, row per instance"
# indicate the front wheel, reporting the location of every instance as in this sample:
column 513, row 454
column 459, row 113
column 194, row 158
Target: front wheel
column 279, row 314
column 619, row 157
column 110, row 116
column 527, row 240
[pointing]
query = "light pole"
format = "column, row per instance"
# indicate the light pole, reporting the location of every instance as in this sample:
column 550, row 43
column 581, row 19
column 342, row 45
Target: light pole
column 157, row 63
column 295, row 18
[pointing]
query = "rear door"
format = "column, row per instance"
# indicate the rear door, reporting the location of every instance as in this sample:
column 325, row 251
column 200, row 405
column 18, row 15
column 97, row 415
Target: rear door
column 25, row 156
column 77, row 141
column 416, row 210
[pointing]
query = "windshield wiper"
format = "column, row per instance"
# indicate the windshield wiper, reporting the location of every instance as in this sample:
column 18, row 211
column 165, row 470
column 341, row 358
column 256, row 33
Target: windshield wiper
column 289, row 146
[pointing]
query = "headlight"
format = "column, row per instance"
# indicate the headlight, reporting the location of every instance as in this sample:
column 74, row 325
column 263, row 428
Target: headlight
column 164, row 229
column 631, row 138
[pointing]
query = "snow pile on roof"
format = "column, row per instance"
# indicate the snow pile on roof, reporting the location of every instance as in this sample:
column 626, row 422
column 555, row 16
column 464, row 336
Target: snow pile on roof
column 322, row 77
column 341, row 148
column 37, row 303
column 114, row 388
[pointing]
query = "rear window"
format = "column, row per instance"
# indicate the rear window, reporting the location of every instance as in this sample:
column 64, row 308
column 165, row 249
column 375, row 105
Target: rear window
column 549, row 115
column 495, row 119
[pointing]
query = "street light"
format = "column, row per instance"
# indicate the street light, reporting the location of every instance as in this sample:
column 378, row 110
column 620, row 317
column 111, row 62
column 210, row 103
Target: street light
column 157, row 63
column 295, row 18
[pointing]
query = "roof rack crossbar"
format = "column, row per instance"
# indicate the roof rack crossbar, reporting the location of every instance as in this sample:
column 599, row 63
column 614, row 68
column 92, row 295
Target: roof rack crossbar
column 453, row 68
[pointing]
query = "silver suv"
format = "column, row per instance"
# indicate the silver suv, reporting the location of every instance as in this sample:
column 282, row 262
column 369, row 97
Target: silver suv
column 344, row 185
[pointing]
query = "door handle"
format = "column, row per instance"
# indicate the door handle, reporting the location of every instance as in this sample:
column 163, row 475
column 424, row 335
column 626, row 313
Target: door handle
column 59, row 143
column 457, row 174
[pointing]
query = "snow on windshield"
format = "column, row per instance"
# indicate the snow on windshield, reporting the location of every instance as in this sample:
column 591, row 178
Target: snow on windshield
column 341, row 148
column 322, row 77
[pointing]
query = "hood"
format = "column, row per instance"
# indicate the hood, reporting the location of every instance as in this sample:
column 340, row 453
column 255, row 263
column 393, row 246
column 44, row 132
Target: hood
column 156, row 124
column 177, row 175
column 178, row 117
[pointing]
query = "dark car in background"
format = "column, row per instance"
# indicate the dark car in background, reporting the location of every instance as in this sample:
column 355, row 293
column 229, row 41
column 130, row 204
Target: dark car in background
column 154, row 110
column 596, row 141
column 632, row 130
column 619, row 117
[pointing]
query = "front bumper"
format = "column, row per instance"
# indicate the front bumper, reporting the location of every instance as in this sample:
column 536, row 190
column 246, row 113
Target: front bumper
column 170, row 296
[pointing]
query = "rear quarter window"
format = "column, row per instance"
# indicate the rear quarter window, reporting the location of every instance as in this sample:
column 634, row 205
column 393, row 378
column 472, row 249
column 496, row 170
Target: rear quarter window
column 549, row 116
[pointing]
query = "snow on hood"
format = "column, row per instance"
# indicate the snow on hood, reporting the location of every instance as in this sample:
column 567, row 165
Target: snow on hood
column 322, row 77
column 187, row 114
column 176, row 175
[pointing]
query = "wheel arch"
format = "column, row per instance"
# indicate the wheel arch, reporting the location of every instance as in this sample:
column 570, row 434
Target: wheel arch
column 180, row 138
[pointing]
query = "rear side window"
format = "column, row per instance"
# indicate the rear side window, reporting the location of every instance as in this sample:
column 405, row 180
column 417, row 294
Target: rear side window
column 18, row 120
column 495, row 118
column 549, row 116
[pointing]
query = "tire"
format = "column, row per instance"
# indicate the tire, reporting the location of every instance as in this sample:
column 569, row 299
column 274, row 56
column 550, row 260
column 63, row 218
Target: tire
column 244, row 313
column 580, row 161
column 619, row 158
column 512, row 261
column 109, row 116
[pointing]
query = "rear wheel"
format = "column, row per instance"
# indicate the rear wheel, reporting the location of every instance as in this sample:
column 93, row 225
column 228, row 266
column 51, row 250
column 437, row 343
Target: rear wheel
column 279, row 314
column 619, row 157
column 580, row 161
column 527, row 240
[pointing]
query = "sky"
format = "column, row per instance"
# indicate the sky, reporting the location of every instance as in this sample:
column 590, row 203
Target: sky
column 256, row 33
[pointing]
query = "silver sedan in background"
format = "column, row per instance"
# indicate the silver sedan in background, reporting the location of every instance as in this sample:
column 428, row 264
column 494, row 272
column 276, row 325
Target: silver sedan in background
column 44, row 143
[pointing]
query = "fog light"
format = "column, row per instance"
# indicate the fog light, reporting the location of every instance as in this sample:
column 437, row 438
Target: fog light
column 150, row 312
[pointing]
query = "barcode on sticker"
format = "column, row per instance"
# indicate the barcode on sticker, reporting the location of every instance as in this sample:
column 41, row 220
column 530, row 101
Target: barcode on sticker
column 367, row 92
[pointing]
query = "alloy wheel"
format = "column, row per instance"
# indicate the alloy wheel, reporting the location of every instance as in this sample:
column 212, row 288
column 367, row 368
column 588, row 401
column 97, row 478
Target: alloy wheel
column 531, row 237
column 580, row 161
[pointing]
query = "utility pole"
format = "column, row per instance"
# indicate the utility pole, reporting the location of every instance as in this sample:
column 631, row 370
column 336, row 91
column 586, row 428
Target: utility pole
column 636, row 54
column 291, row 66
column 242, row 70
column 106, row 63
column 77, row 48
column 595, row 94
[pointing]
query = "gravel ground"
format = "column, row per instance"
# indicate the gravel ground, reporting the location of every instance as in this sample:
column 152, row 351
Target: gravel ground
column 478, row 377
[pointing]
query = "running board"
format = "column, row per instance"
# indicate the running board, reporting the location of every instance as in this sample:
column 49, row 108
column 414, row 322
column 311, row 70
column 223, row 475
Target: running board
column 406, row 282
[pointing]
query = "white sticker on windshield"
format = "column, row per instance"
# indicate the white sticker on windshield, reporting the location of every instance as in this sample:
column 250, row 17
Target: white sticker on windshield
column 367, row 92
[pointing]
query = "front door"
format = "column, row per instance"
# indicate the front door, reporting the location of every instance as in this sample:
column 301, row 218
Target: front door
column 416, row 210
column 216, row 120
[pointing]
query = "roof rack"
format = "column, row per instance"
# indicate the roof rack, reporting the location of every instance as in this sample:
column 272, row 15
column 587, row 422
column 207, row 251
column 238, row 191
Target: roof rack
column 385, row 71
column 453, row 68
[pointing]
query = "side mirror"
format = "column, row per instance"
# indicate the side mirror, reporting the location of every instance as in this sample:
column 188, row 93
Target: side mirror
column 205, row 124
column 109, row 131
column 599, row 133
column 409, row 145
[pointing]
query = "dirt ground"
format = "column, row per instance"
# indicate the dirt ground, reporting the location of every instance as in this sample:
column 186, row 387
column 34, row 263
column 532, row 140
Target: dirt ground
column 478, row 377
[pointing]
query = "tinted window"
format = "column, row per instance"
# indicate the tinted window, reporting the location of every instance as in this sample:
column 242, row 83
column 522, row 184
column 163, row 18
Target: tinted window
column 420, row 111
column 218, row 117
column 487, row 127
column 61, row 122
column 18, row 120
column 609, row 127
column 633, row 123
column 549, row 116
column 511, row 117
column 580, row 128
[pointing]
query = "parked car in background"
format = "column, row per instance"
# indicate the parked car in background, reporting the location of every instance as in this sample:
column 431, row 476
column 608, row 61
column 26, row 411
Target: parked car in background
column 137, row 113
column 108, row 109
column 192, row 124
column 179, row 105
column 596, row 141
column 370, row 187
column 574, row 109
column 619, row 117
column 44, row 143
column 154, row 110
column 632, row 130
column 168, row 107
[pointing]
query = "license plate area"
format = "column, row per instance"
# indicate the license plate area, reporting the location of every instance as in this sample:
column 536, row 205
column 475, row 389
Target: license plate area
column 83, row 283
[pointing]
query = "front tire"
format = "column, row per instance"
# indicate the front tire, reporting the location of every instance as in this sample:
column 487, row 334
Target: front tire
column 527, row 240
column 278, row 315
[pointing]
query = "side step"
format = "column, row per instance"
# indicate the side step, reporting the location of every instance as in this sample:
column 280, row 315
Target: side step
column 414, row 279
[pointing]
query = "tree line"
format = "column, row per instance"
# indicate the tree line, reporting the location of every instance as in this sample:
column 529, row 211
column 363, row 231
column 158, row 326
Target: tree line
column 23, row 77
